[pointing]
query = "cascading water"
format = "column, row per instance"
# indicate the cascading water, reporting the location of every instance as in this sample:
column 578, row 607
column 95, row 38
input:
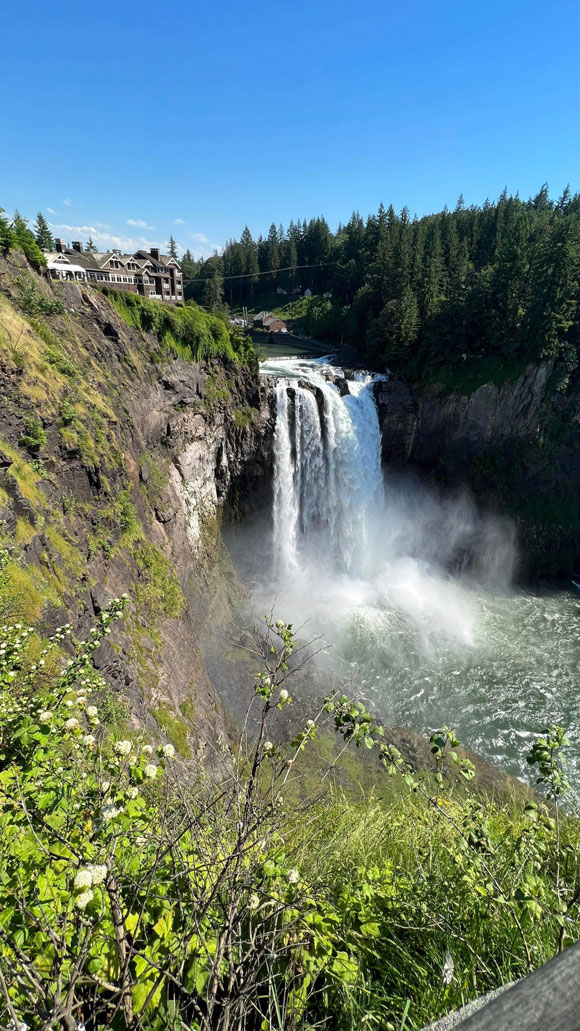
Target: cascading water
column 327, row 471
column 410, row 590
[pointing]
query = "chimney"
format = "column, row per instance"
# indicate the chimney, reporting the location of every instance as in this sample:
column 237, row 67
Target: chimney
column 77, row 246
column 60, row 245
column 155, row 253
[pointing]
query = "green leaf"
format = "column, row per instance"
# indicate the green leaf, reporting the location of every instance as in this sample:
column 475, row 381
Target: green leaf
column 371, row 929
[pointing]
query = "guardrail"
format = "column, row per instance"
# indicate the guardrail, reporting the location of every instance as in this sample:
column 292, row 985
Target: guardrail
column 547, row 1000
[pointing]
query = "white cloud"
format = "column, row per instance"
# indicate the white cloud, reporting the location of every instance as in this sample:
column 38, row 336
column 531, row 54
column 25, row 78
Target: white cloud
column 106, row 241
column 51, row 211
column 67, row 203
column 179, row 221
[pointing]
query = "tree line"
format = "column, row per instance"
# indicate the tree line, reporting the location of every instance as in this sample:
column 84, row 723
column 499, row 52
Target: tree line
column 498, row 280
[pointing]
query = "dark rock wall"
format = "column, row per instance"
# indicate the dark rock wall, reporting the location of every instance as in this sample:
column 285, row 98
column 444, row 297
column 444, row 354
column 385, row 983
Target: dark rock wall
column 516, row 446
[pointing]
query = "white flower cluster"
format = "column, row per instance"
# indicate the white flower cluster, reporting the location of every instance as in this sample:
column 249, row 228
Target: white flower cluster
column 72, row 724
column 110, row 811
column 147, row 749
column 167, row 751
column 132, row 792
column 82, row 900
column 83, row 879
column 91, row 711
column 150, row 771
column 123, row 747
column 90, row 875
column 293, row 876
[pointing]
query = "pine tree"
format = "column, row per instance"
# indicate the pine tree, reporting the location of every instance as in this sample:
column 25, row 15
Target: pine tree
column 251, row 263
column 213, row 287
column 273, row 249
column 24, row 240
column 6, row 235
column 172, row 248
column 90, row 247
column 43, row 234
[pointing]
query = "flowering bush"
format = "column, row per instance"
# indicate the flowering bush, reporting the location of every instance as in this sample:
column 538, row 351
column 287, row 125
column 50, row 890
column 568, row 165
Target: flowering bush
column 133, row 898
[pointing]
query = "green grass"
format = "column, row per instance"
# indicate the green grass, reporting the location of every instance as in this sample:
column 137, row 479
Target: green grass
column 189, row 332
column 475, row 372
column 292, row 310
column 176, row 729
column 408, row 896
column 245, row 416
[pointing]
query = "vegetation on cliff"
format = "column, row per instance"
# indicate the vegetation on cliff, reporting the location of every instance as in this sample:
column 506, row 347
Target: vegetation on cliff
column 188, row 331
column 133, row 898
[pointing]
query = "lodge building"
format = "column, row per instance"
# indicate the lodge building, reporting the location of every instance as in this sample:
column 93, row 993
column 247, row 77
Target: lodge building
column 149, row 273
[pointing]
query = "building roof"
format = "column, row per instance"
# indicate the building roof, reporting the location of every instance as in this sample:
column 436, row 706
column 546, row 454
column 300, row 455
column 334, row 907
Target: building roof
column 69, row 266
column 163, row 259
column 98, row 259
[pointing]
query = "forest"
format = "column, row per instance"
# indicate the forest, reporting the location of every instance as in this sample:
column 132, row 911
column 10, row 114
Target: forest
column 497, row 281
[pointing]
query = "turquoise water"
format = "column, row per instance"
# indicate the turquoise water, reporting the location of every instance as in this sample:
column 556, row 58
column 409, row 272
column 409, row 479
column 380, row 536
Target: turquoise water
column 518, row 668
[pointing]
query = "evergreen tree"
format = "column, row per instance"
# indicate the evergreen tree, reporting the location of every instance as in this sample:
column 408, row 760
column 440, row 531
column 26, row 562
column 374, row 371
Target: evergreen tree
column 43, row 234
column 7, row 239
column 90, row 247
column 213, row 286
column 172, row 248
column 500, row 280
column 24, row 241
column 273, row 256
column 250, row 262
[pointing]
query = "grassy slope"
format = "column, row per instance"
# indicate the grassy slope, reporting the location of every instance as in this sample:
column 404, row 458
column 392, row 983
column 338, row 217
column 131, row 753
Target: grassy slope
column 58, row 370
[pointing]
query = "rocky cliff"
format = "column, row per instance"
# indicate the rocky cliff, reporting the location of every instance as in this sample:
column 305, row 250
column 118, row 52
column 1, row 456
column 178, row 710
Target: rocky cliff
column 116, row 462
column 515, row 444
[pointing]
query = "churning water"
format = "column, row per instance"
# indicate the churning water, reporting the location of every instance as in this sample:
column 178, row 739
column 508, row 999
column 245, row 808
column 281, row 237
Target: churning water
column 412, row 591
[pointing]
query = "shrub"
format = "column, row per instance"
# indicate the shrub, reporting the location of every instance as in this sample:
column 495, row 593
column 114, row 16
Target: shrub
column 34, row 437
column 61, row 363
column 133, row 898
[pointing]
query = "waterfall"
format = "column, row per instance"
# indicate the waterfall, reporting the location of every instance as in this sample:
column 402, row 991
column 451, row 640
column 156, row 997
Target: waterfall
column 327, row 470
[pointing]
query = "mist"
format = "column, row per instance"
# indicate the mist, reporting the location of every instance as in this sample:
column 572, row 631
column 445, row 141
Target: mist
column 346, row 543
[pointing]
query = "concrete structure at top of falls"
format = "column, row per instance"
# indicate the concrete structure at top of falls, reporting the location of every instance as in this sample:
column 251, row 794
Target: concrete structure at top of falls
column 327, row 465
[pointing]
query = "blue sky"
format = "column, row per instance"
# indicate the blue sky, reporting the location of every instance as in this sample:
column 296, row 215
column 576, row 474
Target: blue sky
column 131, row 121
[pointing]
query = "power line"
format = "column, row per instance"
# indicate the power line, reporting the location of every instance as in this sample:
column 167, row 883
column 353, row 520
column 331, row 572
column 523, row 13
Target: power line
column 270, row 272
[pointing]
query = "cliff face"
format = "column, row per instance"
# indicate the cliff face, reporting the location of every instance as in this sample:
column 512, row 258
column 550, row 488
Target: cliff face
column 516, row 446
column 116, row 462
